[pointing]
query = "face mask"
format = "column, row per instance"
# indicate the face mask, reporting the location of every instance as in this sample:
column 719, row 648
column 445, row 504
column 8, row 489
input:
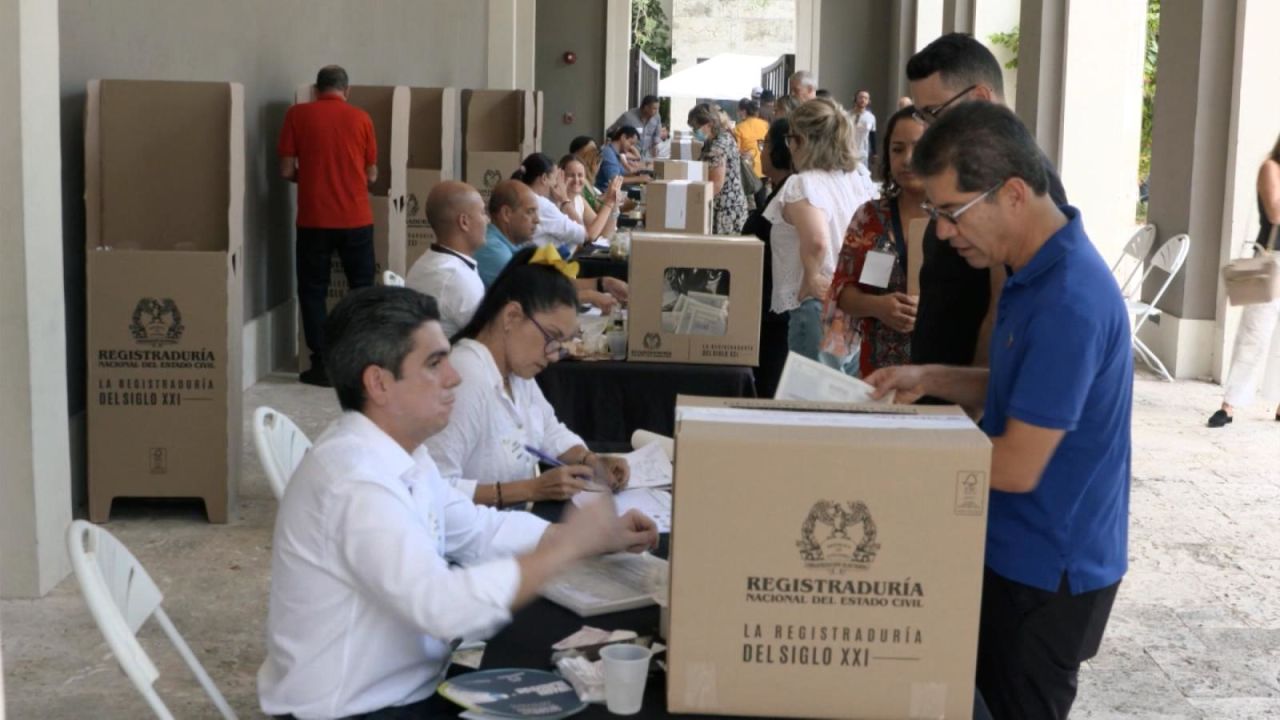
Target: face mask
column 699, row 135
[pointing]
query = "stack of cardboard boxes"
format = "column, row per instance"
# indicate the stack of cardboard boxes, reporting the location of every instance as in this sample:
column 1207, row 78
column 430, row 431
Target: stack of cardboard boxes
column 164, row 207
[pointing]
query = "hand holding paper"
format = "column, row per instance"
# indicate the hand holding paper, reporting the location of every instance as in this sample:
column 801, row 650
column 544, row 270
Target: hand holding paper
column 906, row 380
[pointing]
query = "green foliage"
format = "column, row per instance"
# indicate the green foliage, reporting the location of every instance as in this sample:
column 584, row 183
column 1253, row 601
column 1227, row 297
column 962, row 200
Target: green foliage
column 1149, row 60
column 1008, row 40
column 651, row 32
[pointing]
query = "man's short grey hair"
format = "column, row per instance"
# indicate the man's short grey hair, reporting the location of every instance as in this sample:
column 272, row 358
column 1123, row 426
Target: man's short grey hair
column 331, row 77
column 805, row 78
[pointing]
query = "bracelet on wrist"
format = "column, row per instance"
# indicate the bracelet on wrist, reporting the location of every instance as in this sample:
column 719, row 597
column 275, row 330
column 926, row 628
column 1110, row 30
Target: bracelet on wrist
column 498, row 487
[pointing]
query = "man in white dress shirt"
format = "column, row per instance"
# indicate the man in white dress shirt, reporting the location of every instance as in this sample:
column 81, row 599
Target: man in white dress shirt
column 447, row 270
column 378, row 564
column 864, row 129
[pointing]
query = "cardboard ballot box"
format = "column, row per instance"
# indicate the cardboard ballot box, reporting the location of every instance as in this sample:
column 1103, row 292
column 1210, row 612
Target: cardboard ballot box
column 164, row 211
column 499, row 128
column 679, row 206
column 685, row 147
column 680, row 170
column 834, row 552
column 694, row 299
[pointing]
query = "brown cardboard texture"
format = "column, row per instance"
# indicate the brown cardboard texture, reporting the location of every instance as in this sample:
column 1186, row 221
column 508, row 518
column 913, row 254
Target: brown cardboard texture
column 679, row 206
column 832, row 551
column 680, row 170
column 499, row 129
column 164, row 205
column 694, row 299
column 388, row 108
column 685, row 148
column 433, row 114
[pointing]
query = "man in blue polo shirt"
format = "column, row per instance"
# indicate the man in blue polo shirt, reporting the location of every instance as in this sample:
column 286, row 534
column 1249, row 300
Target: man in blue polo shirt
column 513, row 216
column 1056, row 403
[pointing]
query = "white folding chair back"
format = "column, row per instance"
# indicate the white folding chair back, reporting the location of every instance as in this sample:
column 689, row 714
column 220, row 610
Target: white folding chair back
column 280, row 445
column 121, row 597
column 1128, row 266
column 391, row 279
column 1169, row 258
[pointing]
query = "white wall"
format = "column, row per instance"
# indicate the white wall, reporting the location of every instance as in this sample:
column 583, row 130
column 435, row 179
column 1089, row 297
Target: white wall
column 999, row 16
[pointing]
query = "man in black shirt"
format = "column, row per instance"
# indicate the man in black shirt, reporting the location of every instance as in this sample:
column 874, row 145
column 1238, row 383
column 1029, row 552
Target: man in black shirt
column 957, row 301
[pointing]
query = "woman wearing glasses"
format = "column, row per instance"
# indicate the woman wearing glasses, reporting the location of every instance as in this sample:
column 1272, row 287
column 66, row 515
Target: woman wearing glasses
column 810, row 216
column 500, row 417
column 870, row 305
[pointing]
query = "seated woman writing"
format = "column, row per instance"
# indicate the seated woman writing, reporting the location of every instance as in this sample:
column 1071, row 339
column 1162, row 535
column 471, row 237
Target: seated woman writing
column 501, row 421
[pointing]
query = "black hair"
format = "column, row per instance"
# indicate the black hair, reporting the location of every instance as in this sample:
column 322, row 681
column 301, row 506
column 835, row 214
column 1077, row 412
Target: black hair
column 750, row 107
column 331, row 77
column 986, row 144
column 768, row 95
column 703, row 113
column 623, row 131
column 960, row 61
column 891, row 187
column 580, row 142
column 372, row 326
column 533, row 167
column 779, row 153
column 648, row 100
column 822, row 92
column 570, row 158
column 537, row 288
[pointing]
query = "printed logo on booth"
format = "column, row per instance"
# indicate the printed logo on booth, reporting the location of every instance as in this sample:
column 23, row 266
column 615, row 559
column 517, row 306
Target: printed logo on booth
column 156, row 322
column 652, row 341
column 838, row 537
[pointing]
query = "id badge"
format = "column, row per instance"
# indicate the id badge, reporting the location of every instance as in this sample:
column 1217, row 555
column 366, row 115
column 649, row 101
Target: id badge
column 877, row 269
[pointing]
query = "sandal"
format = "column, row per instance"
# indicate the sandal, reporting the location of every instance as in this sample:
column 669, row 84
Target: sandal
column 1220, row 418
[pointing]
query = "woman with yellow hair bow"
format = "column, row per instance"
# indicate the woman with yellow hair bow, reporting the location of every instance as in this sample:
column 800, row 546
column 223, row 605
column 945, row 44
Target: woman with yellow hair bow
column 501, row 423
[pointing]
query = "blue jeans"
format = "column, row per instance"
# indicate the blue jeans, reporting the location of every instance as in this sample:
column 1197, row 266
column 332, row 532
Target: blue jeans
column 804, row 328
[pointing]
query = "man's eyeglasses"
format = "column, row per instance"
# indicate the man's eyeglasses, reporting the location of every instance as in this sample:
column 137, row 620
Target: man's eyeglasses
column 928, row 114
column 953, row 216
column 555, row 347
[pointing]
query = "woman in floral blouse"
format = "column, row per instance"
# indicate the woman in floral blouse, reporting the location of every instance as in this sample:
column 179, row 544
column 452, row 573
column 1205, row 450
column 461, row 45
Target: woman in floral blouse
column 864, row 308
column 712, row 127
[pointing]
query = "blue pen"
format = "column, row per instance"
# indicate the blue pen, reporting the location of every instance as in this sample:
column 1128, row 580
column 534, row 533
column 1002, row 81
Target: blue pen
column 549, row 461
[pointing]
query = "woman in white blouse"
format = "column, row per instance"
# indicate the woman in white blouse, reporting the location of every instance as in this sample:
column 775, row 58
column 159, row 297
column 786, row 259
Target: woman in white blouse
column 500, row 415
column 809, row 217
column 555, row 226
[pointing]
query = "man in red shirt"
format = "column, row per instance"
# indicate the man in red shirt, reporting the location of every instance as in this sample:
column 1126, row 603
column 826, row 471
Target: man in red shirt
column 328, row 148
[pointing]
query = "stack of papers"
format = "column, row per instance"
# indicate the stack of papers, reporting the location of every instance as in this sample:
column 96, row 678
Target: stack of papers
column 697, row 313
column 650, row 467
column 610, row 583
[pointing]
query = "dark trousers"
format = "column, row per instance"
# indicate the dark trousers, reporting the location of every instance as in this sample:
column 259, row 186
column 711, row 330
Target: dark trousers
column 1031, row 643
column 314, row 259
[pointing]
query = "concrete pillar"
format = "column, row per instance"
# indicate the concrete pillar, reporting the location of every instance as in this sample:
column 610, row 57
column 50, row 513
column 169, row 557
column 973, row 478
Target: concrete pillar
column 957, row 16
column 1197, row 81
column 511, row 44
column 1080, row 91
column 617, row 53
column 35, row 484
column 912, row 25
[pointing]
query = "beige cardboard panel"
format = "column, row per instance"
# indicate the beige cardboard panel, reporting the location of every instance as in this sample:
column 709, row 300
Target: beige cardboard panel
column 164, row 179
column 419, row 233
column 680, row 170
column 738, row 631
column 432, row 124
column 699, row 215
column 495, row 120
column 93, row 165
column 652, row 254
column 486, row 169
column 163, row 378
column 379, row 102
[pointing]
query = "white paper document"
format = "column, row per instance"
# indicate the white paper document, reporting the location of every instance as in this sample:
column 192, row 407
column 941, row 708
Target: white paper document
column 651, row 501
column 622, row 581
column 811, row 381
column 650, row 467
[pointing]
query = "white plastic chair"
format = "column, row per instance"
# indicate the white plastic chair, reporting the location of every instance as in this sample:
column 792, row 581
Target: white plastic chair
column 280, row 445
column 1170, row 258
column 121, row 596
column 391, row 279
column 1134, row 254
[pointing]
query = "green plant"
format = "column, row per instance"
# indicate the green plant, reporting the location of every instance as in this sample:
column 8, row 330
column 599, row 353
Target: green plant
column 1008, row 40
column 1149, row 61
column 651, row 32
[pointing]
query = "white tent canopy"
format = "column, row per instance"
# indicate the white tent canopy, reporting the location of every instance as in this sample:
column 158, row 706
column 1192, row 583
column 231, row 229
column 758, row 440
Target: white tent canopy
column 723, row 77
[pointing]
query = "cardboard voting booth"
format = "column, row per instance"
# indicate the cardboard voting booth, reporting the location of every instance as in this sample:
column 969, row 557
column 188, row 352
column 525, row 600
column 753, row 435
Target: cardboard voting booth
column 433, row 114
column 499, row 129
column 694, row 299
column 679, row 206
column 826, row 560
column 164, row 210
column 680, row 170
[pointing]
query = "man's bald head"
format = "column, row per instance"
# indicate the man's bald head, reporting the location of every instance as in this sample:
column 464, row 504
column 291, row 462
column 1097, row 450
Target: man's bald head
column 456, row 213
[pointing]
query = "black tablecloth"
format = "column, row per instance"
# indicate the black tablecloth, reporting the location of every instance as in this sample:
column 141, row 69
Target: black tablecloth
column 601, row 265
column 605, row 402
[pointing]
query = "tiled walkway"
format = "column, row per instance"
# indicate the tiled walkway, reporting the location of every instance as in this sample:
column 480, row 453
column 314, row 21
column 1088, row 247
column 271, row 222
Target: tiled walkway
column 1195, row 632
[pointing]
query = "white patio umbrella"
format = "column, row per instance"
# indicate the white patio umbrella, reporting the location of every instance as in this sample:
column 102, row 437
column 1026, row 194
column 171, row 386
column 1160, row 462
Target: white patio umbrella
column 723, row 77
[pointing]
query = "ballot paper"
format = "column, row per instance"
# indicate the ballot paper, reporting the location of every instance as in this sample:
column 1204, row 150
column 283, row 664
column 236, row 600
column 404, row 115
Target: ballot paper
column 650, row 467
column 811, row 381
column 587, row 636
column 695, row 313
column 653, row 502
column 610, row 583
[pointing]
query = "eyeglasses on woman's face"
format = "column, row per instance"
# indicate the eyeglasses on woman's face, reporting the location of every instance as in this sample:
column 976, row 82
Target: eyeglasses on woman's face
column 555, row 346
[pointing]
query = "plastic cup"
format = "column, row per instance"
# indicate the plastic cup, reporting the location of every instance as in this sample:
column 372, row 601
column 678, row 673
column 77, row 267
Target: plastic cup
column 626, row 668
column 618, row 345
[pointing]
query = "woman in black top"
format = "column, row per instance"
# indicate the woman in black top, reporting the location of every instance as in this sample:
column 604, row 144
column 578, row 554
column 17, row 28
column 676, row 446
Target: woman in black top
column 776, row 163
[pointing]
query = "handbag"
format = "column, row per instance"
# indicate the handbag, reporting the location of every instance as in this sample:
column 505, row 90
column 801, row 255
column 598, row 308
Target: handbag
column 750, row 183
column 1254, row 280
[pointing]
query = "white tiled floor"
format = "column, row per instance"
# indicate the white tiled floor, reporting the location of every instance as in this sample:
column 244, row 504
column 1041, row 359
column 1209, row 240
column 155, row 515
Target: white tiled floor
column 1195, row 632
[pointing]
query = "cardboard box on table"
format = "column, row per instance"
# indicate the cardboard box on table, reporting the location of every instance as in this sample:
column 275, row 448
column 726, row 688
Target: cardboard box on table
column 388, row 108
column 679, row 206
column 164, row 211
column 694, row 299
column 680, row 170
column 826, row 560
column 499, row 129
column 685, row 147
